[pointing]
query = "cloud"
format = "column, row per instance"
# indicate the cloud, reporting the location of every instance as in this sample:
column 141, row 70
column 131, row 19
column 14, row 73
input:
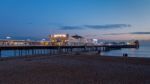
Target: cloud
column 70, row 27
column 108, row 26
column 140, row 33
column 115, row 34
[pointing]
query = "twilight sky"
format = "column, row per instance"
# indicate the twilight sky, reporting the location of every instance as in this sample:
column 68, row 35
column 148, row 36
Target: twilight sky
column 104, row 19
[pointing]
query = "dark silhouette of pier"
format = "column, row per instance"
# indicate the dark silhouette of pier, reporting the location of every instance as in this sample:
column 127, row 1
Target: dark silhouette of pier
column 50, row 50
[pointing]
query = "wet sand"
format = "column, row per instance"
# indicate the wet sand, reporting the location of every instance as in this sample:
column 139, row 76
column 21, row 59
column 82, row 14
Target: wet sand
column 75, row 69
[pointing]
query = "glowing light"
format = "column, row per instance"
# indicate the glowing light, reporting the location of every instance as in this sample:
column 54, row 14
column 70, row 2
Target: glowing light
column 59, row 35
column 8, row 37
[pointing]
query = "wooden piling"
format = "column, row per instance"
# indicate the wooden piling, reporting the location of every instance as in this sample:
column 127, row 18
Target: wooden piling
column 0, row 53
column 32, row 50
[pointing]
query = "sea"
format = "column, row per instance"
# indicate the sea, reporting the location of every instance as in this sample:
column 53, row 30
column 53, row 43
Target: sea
column 142, row 51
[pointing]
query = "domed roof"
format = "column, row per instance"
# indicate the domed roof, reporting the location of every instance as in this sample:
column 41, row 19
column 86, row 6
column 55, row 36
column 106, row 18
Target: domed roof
column 77, row 37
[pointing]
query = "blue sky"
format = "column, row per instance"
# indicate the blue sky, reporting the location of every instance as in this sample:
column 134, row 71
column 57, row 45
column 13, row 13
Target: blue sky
column 104, row 19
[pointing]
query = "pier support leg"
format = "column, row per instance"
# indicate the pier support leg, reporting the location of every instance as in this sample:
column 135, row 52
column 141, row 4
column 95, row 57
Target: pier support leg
column 32, row 52
column 15, row 53
column 0, row 53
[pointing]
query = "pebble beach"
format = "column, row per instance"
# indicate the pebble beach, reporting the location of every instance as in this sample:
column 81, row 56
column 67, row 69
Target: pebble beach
column 75, row 69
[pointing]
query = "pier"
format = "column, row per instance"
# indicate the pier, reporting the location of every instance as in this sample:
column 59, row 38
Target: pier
column 51, row 50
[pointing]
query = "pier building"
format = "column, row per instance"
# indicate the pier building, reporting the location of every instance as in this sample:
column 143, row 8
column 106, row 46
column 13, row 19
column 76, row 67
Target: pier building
column 59, row 39
column 76, row 40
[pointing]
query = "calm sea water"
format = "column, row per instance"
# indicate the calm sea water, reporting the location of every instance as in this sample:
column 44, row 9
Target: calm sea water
column 143, row 51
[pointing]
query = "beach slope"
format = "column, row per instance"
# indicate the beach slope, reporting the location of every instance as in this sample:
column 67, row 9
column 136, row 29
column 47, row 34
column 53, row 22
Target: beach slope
column 75, row 69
